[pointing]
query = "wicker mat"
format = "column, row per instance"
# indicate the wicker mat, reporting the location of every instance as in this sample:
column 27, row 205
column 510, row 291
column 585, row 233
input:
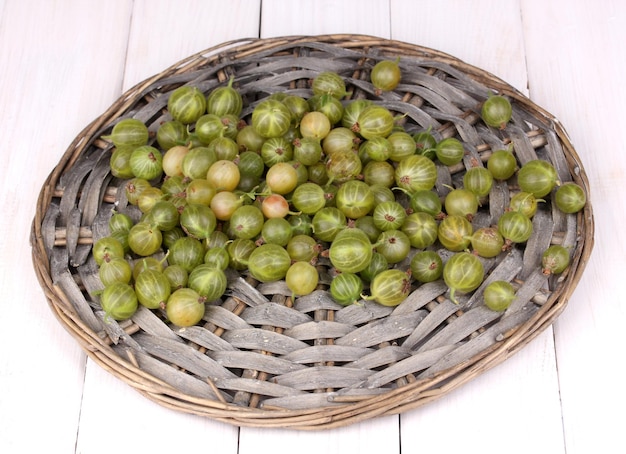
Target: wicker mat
column 262, row 358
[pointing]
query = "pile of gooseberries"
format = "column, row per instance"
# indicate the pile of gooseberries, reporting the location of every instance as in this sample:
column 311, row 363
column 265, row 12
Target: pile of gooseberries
column 304, row 181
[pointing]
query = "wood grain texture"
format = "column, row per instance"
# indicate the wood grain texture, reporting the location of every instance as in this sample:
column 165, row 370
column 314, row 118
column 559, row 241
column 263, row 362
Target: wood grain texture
column 164, row 32
column 65, row 62
column 483, row 33
column 307, row 17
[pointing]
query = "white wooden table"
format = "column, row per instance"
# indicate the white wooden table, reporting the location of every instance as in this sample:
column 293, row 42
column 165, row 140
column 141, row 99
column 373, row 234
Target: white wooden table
column 63, row 63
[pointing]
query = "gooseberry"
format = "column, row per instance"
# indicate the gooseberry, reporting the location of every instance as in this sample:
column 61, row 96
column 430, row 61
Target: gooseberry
column 379, row 173
column 200, row 191
column 450, row 151
column 115, row 269
column 307, row 151
column 374, row 121
column 377, row 264
column 186, row 104
column 223, row 175
column 281, row 178
column 461, row 202
column 499, row 295
column 390, row 287
column 120, row 221
column 171, row 133
column 355, row 199
column 342, row 166
column 502, row 164
column 329, row 83
column 246, row 222
column 172, row 162
column 210, row 282
column 346, row 288
column 186, row 252
column 107, row 248
column 515, row 227
column 496, row 111
column 163, row 215
column 275, row 150
column 239, row 251
column 327, row 223
column 525, row 203
column 463, row 272
column 225, row 100
column 301, row 278
column 120, row 163
column 119, row 301
column 537, row 177
column 276, row 231
column 302, row 248
column 249, row 140
column 570, row 198
column 389, row 215
column 455, row 232
column 386, row 75
column 308, row 198
column 351, row 251
column 426, row 266
column 153, row 288
column 271, row 118
column 144, row 239
column 176, row 275
column 129, row 133
column 487, row 242
column 352, row 110
column 328, row 105
column 198, row 220
column 415, row 173
column 146, row 162
column 402, row 145
column 185, row 307
column 197, row 161
column 315, row 125
column 394, row 245
column 555, row 259
column 425, row 143
column 298, row 106
column 421, row 229
column 269, row 262
column 478, row 180
column 376, row 149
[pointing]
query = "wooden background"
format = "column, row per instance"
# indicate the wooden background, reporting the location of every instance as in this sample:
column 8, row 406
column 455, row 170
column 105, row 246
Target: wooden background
column 63, row 62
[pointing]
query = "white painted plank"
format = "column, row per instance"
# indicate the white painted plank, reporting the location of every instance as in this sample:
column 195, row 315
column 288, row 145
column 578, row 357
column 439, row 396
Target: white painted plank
column 320, row 17
column 576, row 68
column 198, row 25
column 165, row 31
column 488, row 412
column 480, row 33
column 511, row 408
column 370, row 437
column 45, row 100
column 117, row 418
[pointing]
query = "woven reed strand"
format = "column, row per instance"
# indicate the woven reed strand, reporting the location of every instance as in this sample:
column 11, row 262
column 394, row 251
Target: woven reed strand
column 259, row 358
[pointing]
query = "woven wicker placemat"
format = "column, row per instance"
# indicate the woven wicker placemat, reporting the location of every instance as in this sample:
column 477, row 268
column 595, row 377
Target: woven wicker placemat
column 261, row 358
